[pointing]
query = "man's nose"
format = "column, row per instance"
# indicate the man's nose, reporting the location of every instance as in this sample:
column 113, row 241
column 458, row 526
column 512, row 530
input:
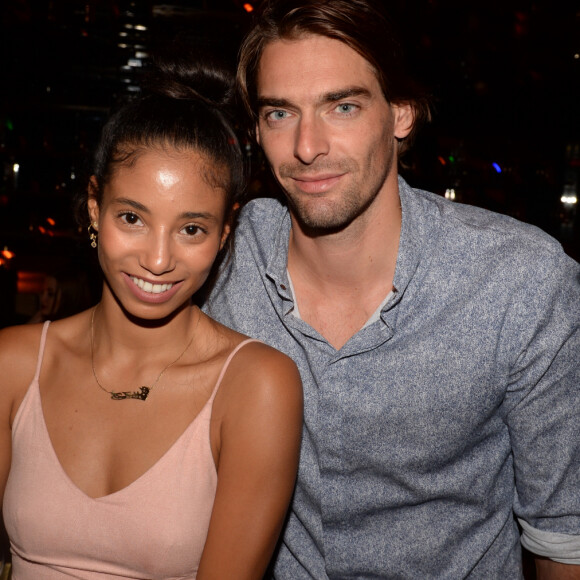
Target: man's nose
column 311, row 139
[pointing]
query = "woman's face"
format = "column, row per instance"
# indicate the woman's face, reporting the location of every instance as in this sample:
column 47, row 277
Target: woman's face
column 161, row 224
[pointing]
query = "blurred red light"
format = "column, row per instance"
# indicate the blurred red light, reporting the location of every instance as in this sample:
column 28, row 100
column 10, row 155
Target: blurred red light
column 30, row 282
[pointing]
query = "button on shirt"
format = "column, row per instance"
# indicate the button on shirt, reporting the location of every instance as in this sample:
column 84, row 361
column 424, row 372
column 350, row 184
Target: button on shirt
column 450, row 416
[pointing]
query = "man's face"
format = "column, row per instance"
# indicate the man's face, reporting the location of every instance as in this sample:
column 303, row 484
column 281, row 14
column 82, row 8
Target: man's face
column 327, row 130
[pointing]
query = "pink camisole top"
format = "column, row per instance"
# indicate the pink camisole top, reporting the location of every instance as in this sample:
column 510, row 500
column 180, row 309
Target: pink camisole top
column 155, row 527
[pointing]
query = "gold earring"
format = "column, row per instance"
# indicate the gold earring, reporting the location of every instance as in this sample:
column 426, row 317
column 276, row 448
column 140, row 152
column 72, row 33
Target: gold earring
column 93, row 234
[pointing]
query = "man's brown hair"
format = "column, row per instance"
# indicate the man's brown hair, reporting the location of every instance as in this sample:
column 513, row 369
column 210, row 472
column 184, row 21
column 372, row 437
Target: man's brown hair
column 360, row 24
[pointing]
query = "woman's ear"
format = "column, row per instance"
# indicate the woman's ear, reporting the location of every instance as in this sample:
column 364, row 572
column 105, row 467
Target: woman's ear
column 228, row 225
column 225, row 233
column 92, row 202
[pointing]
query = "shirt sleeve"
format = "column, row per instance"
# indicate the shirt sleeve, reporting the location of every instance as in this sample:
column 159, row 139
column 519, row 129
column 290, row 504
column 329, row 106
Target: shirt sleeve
column 562, row 548
column 542, row 407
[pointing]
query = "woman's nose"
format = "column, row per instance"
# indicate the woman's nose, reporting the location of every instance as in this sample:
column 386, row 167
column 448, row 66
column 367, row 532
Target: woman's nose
column 157, row 256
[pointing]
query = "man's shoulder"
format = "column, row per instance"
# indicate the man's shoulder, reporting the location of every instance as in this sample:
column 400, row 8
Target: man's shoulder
column 482, row 229
column 260, row 244
column 448, row 238
column 261, row 214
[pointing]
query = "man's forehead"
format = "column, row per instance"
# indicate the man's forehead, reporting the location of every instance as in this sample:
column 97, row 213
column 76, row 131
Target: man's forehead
column 310, row 41
column 310, row 61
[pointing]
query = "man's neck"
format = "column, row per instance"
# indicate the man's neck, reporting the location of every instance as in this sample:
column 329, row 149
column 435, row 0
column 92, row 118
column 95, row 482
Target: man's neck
column 341, row 278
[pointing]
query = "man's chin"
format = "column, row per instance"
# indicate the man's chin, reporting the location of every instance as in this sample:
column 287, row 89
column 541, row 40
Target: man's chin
column 316, row 223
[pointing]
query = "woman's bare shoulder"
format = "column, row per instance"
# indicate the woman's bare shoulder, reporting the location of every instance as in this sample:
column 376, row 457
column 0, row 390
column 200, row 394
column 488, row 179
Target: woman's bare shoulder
column 256, row 356
column 255, row 374
column 264, row 358
column 19, row 344
column 70, row 334
column 261, row 375
column 19, row 348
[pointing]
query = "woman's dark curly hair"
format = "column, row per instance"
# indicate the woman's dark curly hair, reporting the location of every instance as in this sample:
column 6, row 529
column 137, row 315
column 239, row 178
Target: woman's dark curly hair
column 187, row 104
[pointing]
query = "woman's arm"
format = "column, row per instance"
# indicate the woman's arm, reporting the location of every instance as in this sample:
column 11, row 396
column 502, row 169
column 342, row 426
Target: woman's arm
column 18, row 356
column 260, row 435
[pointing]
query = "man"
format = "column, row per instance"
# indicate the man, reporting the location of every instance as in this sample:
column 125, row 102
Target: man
column 438, row 344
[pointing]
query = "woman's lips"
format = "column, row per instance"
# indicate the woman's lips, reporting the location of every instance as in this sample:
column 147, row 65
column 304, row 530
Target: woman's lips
column 152, row 292
column 152, row 287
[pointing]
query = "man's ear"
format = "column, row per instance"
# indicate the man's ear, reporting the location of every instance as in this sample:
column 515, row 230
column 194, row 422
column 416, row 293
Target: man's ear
column 404, row 119
column 92, row 201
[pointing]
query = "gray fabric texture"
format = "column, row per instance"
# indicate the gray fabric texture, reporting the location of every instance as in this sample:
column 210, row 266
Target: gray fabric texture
column 436, row 426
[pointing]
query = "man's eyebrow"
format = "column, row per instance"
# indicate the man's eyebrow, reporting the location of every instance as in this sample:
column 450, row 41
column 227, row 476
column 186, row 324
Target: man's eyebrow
column 334, row 96
column 272, row 102
column 330, row 97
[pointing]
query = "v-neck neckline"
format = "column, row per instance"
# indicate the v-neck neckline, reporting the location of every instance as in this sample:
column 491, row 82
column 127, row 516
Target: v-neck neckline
column 143, row 476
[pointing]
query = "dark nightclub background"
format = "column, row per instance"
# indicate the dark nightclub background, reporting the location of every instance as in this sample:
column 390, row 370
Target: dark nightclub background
column 504, row 77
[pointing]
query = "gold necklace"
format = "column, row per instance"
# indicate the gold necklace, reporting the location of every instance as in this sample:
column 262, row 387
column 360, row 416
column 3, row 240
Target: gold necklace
column 143, row 391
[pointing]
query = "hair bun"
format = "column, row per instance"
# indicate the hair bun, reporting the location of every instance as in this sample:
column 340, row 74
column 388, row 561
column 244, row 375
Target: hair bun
column 190, row 73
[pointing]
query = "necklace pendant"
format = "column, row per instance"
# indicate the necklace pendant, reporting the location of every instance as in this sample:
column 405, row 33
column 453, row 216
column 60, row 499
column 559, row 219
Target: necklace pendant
column 141, row 394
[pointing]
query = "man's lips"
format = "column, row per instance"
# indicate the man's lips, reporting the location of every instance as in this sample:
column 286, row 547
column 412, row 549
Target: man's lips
column 316, row 184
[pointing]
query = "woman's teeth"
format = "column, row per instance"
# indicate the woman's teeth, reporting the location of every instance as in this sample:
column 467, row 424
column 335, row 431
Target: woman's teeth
column 148, row 287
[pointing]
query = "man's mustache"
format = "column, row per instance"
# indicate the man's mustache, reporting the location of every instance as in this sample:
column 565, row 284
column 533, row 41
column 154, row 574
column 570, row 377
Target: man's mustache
column 298, row 169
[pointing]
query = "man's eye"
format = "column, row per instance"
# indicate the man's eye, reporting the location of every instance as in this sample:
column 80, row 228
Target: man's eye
column 346, row 108
column 277, row 115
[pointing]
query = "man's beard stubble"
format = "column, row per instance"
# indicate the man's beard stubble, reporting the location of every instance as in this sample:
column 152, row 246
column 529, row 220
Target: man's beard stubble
column 318, row 214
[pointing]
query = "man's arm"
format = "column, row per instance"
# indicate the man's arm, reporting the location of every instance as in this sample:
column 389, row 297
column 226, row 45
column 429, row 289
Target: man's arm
column 547, row 569
column 543, row 421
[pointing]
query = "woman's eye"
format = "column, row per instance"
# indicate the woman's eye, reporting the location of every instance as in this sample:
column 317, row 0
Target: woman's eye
column 192, row 230
column 130, row 218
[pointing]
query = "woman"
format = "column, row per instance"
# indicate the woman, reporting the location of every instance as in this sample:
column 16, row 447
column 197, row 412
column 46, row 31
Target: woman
column 140, row 438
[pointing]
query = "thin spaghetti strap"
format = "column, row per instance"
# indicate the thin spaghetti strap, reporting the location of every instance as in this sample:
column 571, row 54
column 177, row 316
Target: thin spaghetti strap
column 41, row 349
column 227, row 364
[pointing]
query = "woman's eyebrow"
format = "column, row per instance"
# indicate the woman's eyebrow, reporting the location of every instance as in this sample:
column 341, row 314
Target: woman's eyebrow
column 131, row 202
column 192, row 215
